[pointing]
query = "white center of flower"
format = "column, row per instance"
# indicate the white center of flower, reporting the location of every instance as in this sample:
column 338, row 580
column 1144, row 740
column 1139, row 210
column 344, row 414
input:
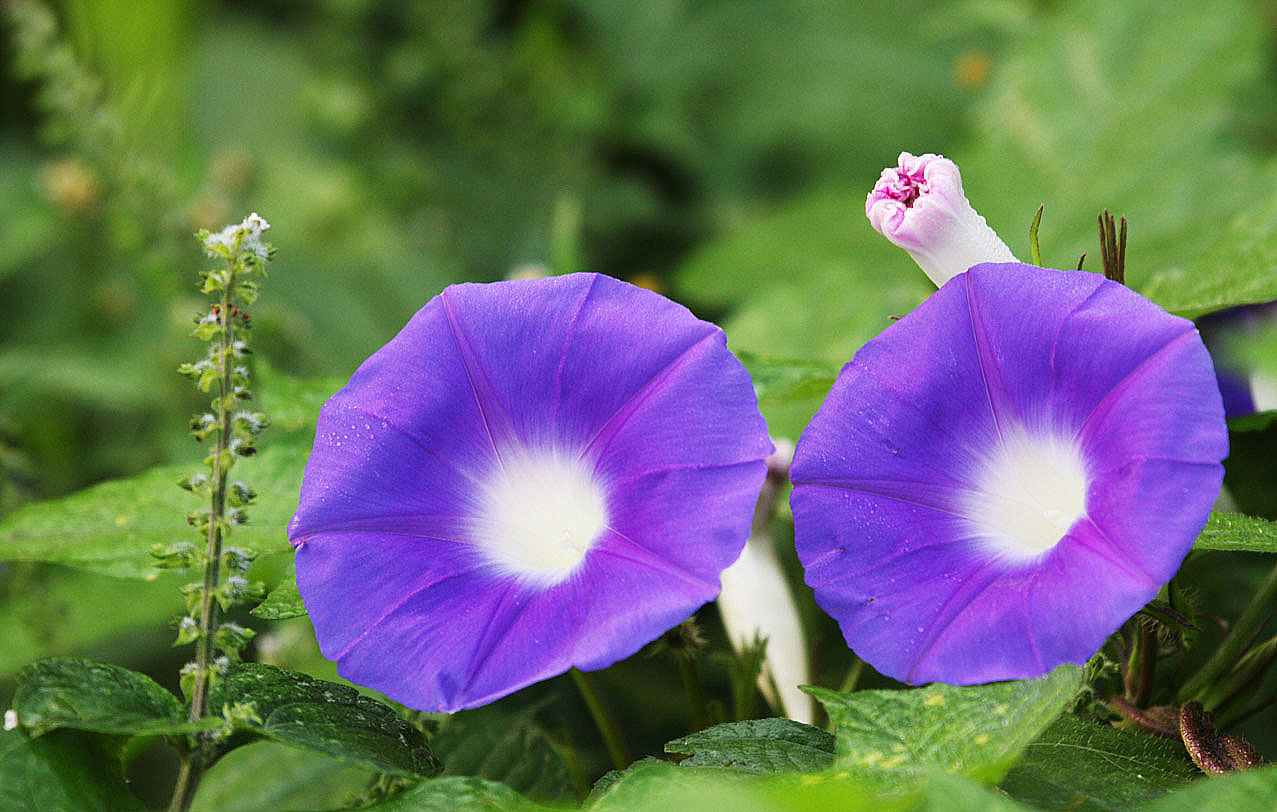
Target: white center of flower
column 540, row 515
column 1031, row 490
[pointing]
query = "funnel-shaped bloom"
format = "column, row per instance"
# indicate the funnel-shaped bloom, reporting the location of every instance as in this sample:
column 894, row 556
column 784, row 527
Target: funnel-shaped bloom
column 920, row 206
column 1001, row 478
column 532, row 475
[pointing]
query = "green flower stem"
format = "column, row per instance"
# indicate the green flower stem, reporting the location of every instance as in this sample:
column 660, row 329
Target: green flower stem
column 1235, row 642
column 1238, row 688
column 853, row 676
column 1141, row 665
column 603, row 719
column 695, row 693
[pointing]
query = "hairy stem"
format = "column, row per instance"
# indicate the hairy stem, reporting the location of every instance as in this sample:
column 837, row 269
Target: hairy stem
column 603, row 719
column 1235, row 642
column 217, row 508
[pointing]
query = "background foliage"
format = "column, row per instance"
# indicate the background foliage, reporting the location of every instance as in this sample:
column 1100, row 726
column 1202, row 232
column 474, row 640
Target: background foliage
column 718, row 151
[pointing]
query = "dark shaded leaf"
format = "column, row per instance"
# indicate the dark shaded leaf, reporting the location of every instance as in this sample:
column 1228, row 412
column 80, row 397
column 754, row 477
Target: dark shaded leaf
column 299, row 779
column 1081, row 766
column 512, row 750
column 456, row 794
column 326, row 718
column 64, row 771
column 67, row 692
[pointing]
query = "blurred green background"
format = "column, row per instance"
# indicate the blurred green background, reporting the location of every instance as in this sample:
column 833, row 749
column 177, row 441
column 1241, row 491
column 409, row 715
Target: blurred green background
column 716, row 150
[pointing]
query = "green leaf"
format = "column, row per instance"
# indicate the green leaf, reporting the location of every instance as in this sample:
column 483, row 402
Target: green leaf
column 1253, row 422
column 60, row 613
column 1239, row 268
column 284, row 601
column 653, row 786
column 109, row 528
column 293, row 403
column 456, row 794
column 1085, row 767
column 98, row 697
column 781, row 380
column 299, row 779
column 1246, row 790
column 325, row 717
column 758, row 746
column 1234, row 531
column 886, row 738
column 64, row 771
column 514, row 750
column 1085, row 112
column 811, row 280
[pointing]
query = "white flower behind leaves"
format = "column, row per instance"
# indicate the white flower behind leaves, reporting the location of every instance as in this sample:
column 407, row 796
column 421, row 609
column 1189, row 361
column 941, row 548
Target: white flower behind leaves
column 919, row 205
column 756, row 603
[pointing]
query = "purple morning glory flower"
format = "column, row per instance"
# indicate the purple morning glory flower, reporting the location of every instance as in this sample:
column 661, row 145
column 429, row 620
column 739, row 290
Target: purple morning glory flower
column 1001, row 478
column 533, row 475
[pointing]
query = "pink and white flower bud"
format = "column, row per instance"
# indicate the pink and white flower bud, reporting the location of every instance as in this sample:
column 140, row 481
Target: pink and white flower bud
column 919, row 206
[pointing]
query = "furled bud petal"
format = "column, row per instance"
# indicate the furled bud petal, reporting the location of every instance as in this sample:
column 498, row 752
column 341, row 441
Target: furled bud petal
column 756, row 602
column 919, row 206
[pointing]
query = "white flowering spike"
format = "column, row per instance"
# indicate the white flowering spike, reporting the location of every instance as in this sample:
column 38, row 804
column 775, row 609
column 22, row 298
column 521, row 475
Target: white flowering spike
column 920, row 206
column 246, row 236
column 10, row 719
column 756, row 603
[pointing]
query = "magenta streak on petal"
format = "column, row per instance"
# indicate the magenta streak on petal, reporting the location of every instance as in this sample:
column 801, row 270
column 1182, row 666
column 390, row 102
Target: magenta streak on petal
column 452, row 466
column 478, row 381
column 1027, row 621
column 604, row 436
column 511, row 604
column 900, row 490
column 616, row 484
column 878, row 564
column 908, row 402
column 398, row 604
column 1000, row 405
column 972, row 587
column 563, row 352
column 643, row 555
column 1136, row 459
column 1102, row 409
column 360, row 526
column 1055, row 343
column 1113, row 553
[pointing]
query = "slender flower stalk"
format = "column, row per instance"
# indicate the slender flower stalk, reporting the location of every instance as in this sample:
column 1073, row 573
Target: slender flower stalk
column 232, row 429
